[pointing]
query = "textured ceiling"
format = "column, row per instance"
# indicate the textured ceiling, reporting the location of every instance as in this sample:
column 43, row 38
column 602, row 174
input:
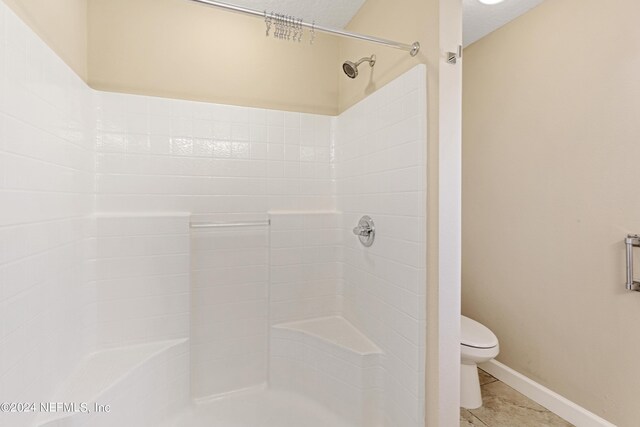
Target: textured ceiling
column 481, row 19
column 331, row 13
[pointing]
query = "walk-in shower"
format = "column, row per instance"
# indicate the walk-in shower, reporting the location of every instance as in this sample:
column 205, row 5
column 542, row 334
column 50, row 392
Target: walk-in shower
column 183, row 264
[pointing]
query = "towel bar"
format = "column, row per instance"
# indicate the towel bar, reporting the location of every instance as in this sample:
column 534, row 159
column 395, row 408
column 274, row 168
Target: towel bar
column 231, row 224
column 632, row 240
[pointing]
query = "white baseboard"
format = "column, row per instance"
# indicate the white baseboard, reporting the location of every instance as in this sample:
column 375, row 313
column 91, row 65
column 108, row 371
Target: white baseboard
column 557, row 404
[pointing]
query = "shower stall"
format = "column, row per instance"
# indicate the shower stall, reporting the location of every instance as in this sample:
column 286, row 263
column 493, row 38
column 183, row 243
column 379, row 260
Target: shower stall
column 177, row 263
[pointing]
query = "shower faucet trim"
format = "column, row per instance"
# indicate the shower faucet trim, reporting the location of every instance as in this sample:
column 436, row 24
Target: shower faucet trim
column 366, row 231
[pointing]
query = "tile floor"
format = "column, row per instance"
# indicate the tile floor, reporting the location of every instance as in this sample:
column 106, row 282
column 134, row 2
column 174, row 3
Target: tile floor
column 505, row 407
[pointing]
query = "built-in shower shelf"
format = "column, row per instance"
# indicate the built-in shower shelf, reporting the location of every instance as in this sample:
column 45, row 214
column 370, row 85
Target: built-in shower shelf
column 104, row 377
column 329, row 360
column 333, row 330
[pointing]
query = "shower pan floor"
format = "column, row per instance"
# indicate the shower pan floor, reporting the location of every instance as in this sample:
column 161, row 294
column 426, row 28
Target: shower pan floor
column 258, row 408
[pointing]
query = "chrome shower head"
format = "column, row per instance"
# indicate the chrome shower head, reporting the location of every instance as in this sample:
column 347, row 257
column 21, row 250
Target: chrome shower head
column 351, row 68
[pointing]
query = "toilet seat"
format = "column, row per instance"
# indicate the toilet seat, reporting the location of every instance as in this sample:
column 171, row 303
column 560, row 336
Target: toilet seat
column 475, row 335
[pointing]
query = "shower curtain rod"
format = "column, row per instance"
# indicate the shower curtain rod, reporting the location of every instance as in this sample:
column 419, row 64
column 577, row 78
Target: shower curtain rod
column 413, row 48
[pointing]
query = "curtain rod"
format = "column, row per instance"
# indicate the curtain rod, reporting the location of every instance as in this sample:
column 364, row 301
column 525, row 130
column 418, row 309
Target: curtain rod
column 413, row 48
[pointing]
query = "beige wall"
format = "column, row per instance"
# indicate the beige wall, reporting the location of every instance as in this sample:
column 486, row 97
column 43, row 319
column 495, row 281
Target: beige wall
column 551, row 141
column 171, row 48
column 62, row 24
column 177, row 49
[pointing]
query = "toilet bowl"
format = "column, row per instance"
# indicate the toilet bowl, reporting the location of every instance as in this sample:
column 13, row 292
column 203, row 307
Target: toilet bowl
column 477, row 345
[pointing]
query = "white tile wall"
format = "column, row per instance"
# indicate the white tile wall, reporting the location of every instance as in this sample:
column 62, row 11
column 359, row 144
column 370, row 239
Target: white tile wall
column 46, row 185
column 381, row 172
column 229, row 305
column 152, row 392
column 330, row 361
column 142, row 278
column 143, row 386
column 306, row 265
column 157, row 154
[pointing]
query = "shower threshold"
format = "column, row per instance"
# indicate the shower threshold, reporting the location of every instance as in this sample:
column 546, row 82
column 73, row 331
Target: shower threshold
column 257, row 407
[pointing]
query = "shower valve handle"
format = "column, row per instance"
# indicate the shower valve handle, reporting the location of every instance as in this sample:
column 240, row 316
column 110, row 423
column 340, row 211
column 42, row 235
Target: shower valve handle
column 366, row 231
column 362, row 230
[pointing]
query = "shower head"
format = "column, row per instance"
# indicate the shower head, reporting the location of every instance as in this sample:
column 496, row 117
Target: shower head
column 351, row 68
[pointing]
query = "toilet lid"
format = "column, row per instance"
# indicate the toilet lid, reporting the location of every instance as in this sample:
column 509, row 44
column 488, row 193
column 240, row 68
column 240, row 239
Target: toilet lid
column 475, row 334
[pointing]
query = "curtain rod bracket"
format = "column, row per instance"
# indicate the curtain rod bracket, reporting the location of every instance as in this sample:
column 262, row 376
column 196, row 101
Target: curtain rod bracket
column 452, row 57
column 415, row 48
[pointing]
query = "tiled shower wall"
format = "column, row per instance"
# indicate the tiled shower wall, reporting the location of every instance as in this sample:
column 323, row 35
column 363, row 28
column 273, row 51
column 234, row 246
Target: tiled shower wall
column 305, row 265
column 381, row 171
column 223, row 163
column 46, row 186
column 156, row 154
column 142, row 278
column 230, row 282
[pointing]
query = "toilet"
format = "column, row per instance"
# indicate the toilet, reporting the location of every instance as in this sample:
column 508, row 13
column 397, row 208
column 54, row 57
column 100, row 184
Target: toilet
column 477, row 345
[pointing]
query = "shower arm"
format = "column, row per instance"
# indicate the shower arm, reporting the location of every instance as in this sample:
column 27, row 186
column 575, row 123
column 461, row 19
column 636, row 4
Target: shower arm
column 370, row 59
column 413, row 48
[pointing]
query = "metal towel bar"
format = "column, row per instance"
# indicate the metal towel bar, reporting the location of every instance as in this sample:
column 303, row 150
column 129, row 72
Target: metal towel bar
column 230, row 224
column 631, row 241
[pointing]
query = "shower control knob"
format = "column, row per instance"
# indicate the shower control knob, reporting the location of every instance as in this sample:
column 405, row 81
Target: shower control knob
column 362, row 231
column 366, row 231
